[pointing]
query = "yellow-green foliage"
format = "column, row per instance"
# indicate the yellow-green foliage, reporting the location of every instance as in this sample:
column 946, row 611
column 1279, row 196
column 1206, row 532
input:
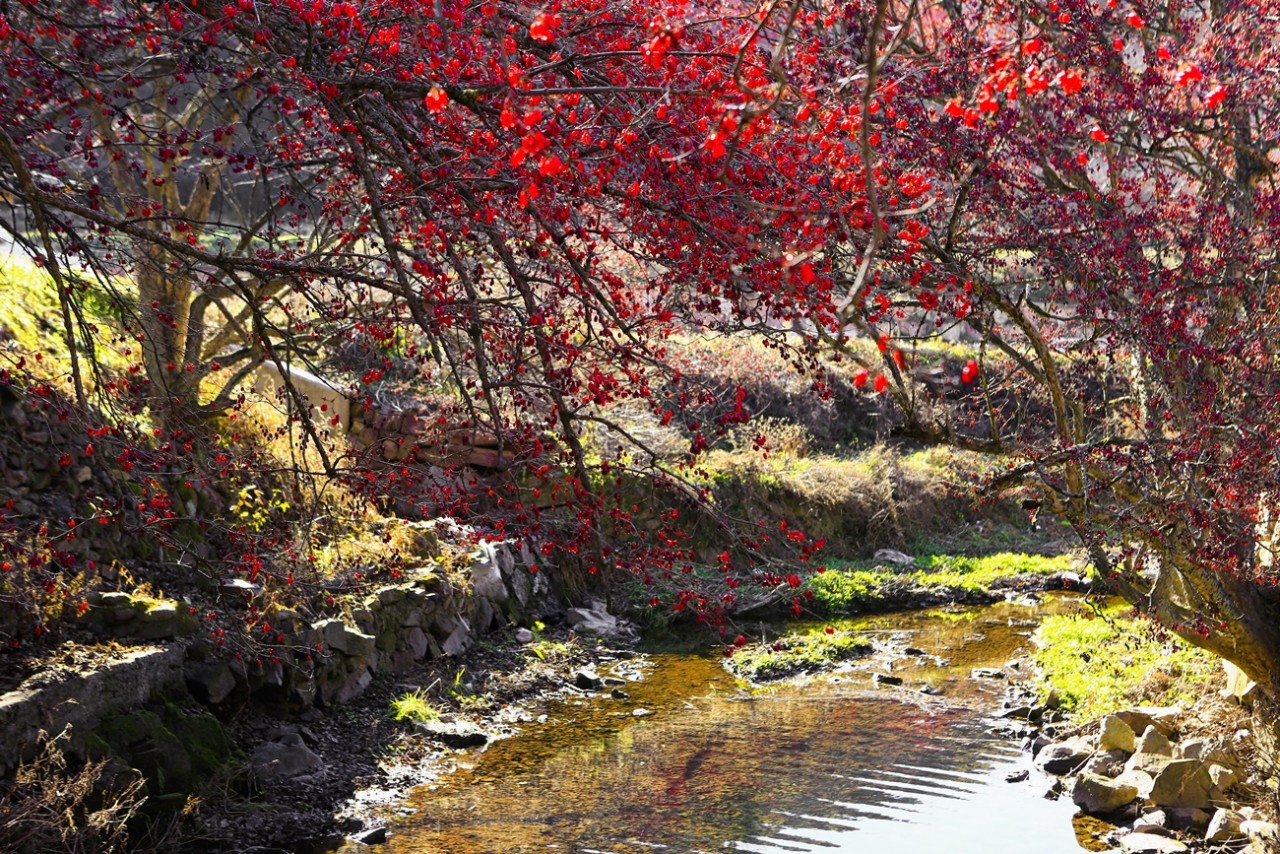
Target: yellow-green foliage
column 414, row 706
column 851, row 587
column 29, row 307
column 1098, row 664
column 979, row 573
column 797, row 653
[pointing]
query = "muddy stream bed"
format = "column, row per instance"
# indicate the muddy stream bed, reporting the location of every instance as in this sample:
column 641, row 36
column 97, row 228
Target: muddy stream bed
column 693, row 762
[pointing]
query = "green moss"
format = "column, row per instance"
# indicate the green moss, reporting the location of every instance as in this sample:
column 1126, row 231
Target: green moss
column 1100, row 663
column 797, row 653
column 846, row 591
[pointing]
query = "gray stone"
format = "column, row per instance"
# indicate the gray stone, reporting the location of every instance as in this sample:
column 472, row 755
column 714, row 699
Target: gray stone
column 1225, row 827
column 210, row 682
column 1152, row 741
column 459, row 640
column 587, row 679
column 1098, row 795
column 390, row 595
column 276, row 760
column 1153, row 821
column 1063, row 757
column 885, row 679
column 486, row 577
column 524, row 636
column 987, row 673
column 1107, row 764
column 591, row 621
column 1151, row 763
column 1115, row 734
column 417, row 640
column 1150, row 843
column 454, row 733
column 1183, row 783
column 354, row 685
column 346, row 639
column 895, row 557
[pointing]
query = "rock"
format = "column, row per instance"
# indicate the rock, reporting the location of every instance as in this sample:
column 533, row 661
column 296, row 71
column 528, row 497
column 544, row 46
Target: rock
column 895, row 557
column 276, row 760
column 640, row 713
column 1163, row 718
column 372, row 836
column 1063, row 757
column 1225, row 827
column 82, row 474
column 1098, row 795
column 587, row 679
column 1151, row 763
column 1188, row 818
column 1022, row 713
column 210, row 682
column 1140, row 780
column 591, row 621
column 1106, row 764
column 1224, row 779
column 1182, row 783
column 459, row 640
column 619, row 694
column 524, row 636
column 987, row 673
column 1264, row 834
column 417, row 641
column 913, row 650
column 486, row 577
column 1017, row 776
column 454, row 733
column 1154, row 821
column 1239, row 686
column 1150, row 843
column 885, row 679
column 1115, row 734
column 1152, row 741
column 346, row 639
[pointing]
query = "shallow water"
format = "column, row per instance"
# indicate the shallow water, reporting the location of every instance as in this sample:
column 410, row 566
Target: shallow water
column 825, row 766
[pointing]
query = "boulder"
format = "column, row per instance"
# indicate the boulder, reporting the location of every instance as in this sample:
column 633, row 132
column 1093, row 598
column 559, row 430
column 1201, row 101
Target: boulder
column 1099, row 795
column 1183, row 783
column 1152, row 821
column 1063, row 757
column 1163, row 718
column 1106, row 764
column 587, row 679
column 1225, row 827
column 346, row 639
column 276, row 760
column 1150, row 843
column 1115, row 734
column 591, row 621
column 1238, row 686
column 1188, row 818
column 1152, row 741
column 894, row 556
column 1140, row 780
column 1263, row 834
column 454, row 733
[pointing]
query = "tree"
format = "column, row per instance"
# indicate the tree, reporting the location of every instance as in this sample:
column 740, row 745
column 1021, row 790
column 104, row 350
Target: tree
column 547, row 197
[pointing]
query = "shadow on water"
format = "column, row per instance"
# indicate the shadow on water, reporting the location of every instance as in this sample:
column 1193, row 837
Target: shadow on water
column 825, row 766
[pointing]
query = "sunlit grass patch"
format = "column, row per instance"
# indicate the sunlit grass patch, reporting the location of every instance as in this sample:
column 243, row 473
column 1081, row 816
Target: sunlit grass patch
column 1098, row 664
column 797, row 653
column 414, row 707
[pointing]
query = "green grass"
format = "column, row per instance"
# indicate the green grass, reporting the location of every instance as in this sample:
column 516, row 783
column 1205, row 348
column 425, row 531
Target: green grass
column 797, row 653
column 1097, row 665
column 853, row 586
column 979, row 573
column 414, row 706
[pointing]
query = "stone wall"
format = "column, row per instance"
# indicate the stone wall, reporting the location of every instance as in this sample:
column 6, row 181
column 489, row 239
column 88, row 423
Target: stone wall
column 387, row 629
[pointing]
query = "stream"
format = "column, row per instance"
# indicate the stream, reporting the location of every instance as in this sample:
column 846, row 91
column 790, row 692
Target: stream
column 693, row 763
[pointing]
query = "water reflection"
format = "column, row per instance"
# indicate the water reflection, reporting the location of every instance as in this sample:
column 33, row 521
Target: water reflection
column 818, row 769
